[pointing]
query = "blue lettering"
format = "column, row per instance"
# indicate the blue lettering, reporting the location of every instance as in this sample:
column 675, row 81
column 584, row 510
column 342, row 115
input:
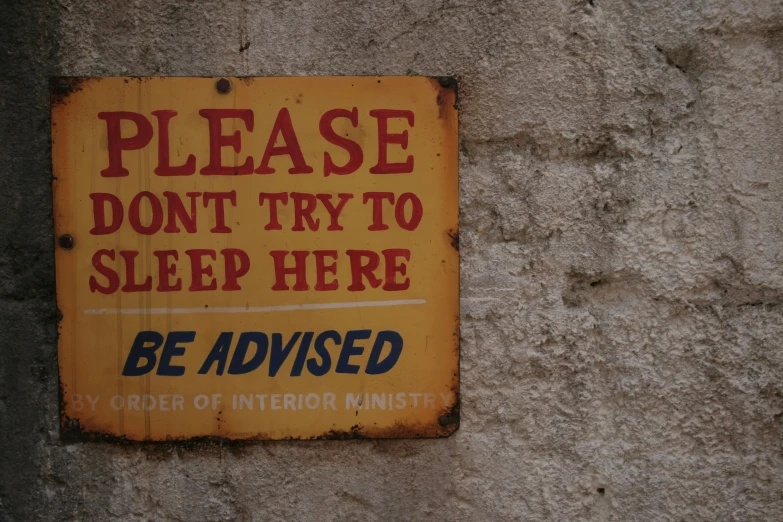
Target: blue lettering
column 141, row 350
column 280, row 354
column 172, row 349
column 299, row 362
column 374, row 365
column 349, row 350
column 320, row 349
column 218, row 354
column 238, row 366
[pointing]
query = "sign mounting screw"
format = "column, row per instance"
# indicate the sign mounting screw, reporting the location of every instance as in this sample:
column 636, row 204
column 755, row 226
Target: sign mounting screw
column 65, row 241
column 223, row 86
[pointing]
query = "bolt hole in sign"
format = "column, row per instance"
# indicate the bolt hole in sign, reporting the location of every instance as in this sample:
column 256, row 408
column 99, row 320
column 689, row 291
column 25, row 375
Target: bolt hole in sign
column 256, row 258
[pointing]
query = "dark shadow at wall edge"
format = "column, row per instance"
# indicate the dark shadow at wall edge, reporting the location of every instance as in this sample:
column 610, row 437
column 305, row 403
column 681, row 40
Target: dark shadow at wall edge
column 28, row 333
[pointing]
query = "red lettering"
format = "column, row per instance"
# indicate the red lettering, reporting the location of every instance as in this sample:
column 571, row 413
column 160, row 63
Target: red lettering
column 233, row 270
column 416, row 214
column 220, row 211
column 273, row 198
column 117, row 144
column 165, row 270
column 392, row 269
column 176, row 209
column 113, row 280
column 321, row 268
column 385, row 139
column 164, row 167
column 99, row 213
column 359, row 269
column 299, row 269
column 355, row 154
column 129, row 256
column 304, row 205
column 334, row 212
column 218, row 140
column 134, row 217
column 198, row 270
column 377, row 208
column 291, row 148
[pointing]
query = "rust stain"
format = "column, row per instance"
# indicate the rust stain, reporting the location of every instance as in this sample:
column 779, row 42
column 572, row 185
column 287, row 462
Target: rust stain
column 454, row 235
column 447, row 422
column 451, row 417
column 60, row 87
column 447, row 88
column 72, row 431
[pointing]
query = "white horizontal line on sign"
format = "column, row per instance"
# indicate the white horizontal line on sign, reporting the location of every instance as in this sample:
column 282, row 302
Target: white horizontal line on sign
column 249, row 309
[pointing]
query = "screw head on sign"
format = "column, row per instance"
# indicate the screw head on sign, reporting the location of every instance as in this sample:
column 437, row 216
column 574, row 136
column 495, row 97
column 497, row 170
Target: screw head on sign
column 223, row 86
column 447, row 82
column 65, row 241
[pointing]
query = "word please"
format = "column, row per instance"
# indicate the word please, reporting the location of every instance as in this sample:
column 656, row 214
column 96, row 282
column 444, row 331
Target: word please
column 282, row 131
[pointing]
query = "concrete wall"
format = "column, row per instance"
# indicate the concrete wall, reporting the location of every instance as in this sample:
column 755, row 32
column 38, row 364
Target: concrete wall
column 622, row 239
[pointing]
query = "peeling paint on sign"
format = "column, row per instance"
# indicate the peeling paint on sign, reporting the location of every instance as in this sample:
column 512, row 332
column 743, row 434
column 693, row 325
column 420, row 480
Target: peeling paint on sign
column 257, row 258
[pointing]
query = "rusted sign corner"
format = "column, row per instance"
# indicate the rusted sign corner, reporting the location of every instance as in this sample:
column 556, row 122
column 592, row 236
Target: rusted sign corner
column 71, row 432
column 448, row 82
column 60, row 87
column 448, row 93
column 450, row 419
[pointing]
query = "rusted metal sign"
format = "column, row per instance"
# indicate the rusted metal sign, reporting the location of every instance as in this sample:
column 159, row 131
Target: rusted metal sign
column 257, row 258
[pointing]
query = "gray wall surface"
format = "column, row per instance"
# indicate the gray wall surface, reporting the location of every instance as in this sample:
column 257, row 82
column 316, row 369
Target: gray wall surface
column 621, row 246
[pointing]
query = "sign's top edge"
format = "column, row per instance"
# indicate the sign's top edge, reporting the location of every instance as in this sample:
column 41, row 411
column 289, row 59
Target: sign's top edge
column 60, row 87
column 54, row 78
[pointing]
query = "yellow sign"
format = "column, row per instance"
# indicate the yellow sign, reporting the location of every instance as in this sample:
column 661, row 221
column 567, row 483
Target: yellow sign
column 257, row 258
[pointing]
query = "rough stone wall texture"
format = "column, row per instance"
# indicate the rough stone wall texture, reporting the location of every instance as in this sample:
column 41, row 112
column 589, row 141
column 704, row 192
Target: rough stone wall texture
column 621, row 207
